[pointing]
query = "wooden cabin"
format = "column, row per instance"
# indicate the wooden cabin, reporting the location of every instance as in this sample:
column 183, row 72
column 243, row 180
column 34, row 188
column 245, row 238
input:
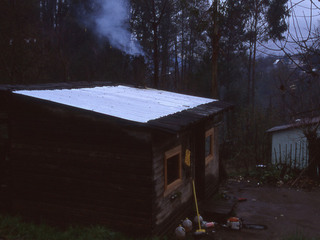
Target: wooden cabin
column 114, row 155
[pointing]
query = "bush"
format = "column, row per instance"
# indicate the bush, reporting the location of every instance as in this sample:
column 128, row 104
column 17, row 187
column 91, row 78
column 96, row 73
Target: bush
column 274, row 173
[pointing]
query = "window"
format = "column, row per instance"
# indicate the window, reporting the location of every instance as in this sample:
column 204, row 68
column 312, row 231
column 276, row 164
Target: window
column 209, row 145
column 172, row 169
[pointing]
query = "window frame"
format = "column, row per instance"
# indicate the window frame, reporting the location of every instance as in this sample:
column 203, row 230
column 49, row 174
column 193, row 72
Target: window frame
column 167, row 155
column 209, row 133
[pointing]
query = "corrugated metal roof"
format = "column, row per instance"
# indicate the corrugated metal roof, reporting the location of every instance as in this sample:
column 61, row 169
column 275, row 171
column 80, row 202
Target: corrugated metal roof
column 191, row 116
column 150, row 107
column 134, row 104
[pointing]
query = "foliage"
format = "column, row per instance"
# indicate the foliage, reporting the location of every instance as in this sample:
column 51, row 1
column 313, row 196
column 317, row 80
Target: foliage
column 47, row 41
column 248, row 143
column 274, row 173
column 14, row 228
column 276, row 18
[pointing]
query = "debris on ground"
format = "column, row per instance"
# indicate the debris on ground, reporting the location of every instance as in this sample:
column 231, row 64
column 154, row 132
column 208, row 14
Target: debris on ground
column 277, row 209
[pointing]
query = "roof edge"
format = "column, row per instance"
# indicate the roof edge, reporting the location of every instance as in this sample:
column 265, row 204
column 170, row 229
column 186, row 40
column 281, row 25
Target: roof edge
column 297, row 124
column 52, row 86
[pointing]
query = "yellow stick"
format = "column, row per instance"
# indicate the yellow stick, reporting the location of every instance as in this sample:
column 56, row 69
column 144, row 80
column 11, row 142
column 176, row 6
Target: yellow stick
column 196, row 202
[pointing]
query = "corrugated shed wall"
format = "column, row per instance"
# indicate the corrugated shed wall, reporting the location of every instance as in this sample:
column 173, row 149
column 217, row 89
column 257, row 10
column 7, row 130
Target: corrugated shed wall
column 290, row 147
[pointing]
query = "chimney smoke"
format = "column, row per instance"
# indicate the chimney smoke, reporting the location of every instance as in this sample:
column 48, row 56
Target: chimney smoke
column 112, row 22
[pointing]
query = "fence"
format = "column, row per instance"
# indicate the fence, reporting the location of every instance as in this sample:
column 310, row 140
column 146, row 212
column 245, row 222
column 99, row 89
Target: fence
column 295, row 155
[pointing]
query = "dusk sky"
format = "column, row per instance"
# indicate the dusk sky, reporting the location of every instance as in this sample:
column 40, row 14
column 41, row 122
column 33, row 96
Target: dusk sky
column 303, row 15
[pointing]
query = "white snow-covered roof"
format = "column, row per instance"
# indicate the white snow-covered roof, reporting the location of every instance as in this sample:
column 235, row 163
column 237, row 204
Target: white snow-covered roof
column 135, row 104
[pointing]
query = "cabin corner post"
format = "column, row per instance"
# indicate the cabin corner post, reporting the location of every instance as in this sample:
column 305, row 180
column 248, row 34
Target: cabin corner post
column 199, row 160
column 5, row 148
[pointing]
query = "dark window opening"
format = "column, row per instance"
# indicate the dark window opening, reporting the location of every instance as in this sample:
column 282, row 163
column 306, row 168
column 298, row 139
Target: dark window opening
column 209, row 141
column 173, row 169
column 208, row 149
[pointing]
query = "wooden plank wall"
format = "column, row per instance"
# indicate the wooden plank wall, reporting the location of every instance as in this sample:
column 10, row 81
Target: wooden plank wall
column 69, row 168
column 168, row 212
column 212, row 168
column 5, row 199
column 200, row 167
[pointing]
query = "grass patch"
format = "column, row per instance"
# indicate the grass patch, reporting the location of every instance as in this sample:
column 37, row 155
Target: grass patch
column 14, row 228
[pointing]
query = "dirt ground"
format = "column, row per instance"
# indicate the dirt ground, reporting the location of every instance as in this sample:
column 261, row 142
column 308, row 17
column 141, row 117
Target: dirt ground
column 285, row 211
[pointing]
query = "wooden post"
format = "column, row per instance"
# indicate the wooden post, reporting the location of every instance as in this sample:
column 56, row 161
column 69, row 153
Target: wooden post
column 286, row 156
column 275, row 156
column 295, row 155
column 290, row 155
column 307, row 154
column 280, row 156
column 300, row 155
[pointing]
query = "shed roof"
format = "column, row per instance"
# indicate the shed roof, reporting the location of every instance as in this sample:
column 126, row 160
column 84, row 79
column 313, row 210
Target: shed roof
column 157, row 108
column 297, row 124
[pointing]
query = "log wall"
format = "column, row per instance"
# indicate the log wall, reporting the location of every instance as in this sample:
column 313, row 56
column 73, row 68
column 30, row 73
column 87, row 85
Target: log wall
column 73, row 168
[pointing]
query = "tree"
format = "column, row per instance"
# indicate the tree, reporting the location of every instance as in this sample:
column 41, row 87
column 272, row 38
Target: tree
column 215, row 48
column 300, row 89
column 192, row 25
column 302, row 54
column 19, row 29
column 233, row 50
column 310, row 131
column 267, row 21
column 149, row 19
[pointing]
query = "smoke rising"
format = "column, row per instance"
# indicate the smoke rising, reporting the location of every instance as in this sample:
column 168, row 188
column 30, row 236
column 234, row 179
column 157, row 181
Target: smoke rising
column 112, row 22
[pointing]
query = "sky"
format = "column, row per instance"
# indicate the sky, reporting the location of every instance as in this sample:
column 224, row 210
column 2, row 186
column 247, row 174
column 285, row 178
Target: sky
column 299, row 25
column 304, row 11
column 304, row 15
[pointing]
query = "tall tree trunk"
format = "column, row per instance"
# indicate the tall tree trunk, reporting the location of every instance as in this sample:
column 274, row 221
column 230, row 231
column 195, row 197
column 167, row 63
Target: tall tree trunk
column 215, row 49
column 164, row 63
column 156, row 20
column 155, row 56
column 254, row 57
column 253, row 76
column 59, row 13
column 182, row 53
column 176, row 67
column 253, row 117
column 249, row 73
column 314, row 153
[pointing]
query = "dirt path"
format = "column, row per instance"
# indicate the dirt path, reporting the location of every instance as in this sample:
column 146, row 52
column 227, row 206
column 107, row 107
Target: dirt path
column 285, row 211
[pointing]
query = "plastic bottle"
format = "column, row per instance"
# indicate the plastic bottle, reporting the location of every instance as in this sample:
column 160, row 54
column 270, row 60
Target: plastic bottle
column 180, row 232
column 187, row 224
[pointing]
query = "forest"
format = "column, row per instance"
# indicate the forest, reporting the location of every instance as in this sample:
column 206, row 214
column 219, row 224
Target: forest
column 200, row 47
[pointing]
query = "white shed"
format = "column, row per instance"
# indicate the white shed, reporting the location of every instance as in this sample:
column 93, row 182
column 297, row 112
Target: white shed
column 289, row 144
